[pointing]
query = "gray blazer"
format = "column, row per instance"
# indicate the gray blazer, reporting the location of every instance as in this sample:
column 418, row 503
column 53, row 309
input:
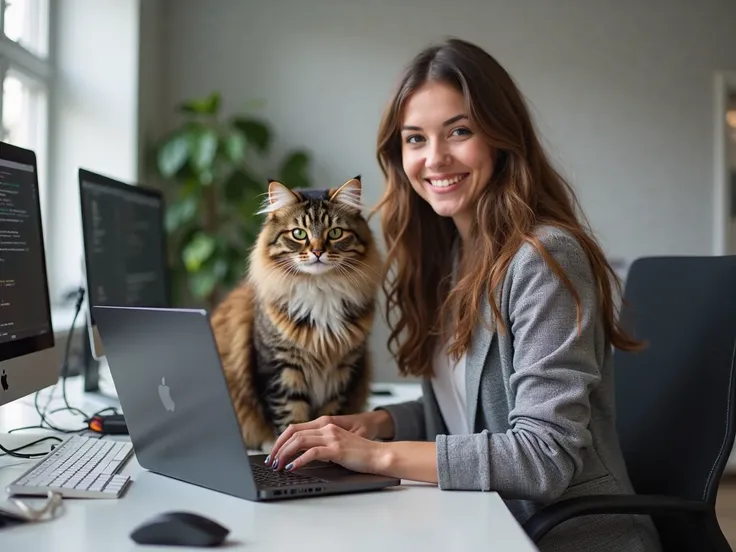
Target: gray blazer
column 540, row 401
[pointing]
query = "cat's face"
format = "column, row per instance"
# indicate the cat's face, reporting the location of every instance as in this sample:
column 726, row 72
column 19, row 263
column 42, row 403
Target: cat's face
column 315, row 236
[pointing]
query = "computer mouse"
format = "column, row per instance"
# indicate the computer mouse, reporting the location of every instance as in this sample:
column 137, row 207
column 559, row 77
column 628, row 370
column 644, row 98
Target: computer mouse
column 180, row 529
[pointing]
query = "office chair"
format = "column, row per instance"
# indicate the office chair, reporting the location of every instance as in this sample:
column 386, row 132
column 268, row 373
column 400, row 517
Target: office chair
column 674, row 401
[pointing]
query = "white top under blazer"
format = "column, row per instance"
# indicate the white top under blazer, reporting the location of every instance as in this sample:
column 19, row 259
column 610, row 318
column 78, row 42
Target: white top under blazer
column 448, row 384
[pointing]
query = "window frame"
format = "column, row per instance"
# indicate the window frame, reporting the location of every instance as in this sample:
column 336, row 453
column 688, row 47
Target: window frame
column 40, row 70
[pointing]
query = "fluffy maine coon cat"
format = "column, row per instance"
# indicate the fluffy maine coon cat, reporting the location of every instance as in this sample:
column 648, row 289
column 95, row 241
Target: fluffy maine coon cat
column 293, row 335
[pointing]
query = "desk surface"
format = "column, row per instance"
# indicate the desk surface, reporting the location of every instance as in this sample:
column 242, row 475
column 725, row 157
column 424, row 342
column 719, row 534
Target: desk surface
column 414, row 516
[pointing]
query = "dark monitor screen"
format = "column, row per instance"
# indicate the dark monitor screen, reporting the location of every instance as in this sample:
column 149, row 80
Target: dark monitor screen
column 124, row 243
column 25, row 312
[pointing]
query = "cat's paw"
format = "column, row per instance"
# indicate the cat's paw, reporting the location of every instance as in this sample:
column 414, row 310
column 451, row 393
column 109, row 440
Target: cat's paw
column 267, row 446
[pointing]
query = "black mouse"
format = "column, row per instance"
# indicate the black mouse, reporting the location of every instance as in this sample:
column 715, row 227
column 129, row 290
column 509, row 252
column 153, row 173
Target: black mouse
column 180, row 529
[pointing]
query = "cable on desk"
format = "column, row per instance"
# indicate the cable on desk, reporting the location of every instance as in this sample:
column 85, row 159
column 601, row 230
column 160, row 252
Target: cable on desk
column 49, row 426
column 45, row 423
column 63, row 374
column 15, row 454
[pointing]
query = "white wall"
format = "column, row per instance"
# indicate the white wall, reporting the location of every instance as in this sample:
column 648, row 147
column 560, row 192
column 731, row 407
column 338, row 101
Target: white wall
column 622, row 91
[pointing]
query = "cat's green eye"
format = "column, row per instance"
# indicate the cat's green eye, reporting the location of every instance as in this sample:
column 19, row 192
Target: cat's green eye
column 335, row 233
column 299, row 233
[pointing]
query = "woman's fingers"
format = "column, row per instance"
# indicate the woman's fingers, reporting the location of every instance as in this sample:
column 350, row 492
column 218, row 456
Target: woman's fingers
column 290, row 431
column 301, row 441
column 323, row 453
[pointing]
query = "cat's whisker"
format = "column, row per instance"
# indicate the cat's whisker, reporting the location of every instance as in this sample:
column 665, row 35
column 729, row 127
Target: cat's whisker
column 356, row 261
column 291, row 270
column 357, row 269
column 285, row 272
column 285, row 263
column 351, row 276
column 344, row 272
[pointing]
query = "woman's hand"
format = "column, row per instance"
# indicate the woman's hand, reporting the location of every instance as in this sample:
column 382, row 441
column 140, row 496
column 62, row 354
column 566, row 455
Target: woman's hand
column 329, row 443
column 371, row 425
column 347, row 440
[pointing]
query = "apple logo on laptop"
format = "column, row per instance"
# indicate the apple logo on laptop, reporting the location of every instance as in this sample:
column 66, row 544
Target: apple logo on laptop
column 165, row 393
column 4, row 381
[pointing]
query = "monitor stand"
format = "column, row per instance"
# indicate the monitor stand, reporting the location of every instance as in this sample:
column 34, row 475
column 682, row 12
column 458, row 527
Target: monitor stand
column 91, row 373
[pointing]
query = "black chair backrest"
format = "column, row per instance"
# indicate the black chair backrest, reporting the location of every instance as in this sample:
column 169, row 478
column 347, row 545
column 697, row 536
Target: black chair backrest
column 314, row 193
column 675, row 399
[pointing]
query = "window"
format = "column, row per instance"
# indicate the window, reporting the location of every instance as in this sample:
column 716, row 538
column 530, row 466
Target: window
column 24, row 109
column 25, row 22
column 25, row 74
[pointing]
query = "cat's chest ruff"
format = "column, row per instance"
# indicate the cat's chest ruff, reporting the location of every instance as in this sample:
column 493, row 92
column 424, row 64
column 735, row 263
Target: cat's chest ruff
column 321, row 303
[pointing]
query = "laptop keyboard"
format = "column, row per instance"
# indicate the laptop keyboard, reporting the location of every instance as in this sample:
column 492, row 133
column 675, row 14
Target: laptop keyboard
column 267, row 477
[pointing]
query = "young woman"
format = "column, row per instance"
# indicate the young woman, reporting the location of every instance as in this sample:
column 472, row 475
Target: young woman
column 500, row 299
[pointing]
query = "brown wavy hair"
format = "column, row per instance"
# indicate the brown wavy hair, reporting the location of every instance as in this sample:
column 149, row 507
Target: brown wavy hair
column 525, row 191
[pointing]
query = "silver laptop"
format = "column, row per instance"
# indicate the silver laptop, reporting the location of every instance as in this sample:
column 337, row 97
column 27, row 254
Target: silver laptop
column 181, row 420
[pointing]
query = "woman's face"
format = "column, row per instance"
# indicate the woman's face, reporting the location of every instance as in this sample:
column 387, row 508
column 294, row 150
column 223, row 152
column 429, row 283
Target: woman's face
column 447, row 162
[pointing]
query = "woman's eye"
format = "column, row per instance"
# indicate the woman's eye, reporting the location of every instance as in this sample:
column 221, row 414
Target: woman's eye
column 335, row 233
column 413, row 139
column 461, row 132
column 299, row 233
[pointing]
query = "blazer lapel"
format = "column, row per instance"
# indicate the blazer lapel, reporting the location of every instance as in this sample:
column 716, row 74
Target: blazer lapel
column 476, row 358
column 474, row 363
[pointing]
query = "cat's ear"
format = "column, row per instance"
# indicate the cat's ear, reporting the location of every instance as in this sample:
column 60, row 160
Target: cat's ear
column 349, row 194
column 279, row 196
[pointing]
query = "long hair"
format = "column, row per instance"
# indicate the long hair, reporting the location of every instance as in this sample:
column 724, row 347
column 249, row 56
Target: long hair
column 524, row 192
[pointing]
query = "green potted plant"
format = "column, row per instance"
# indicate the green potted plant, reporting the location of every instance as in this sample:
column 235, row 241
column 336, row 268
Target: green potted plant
column 213, row 193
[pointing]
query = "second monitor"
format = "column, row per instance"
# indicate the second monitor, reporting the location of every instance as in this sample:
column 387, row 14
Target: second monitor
column 124, row 247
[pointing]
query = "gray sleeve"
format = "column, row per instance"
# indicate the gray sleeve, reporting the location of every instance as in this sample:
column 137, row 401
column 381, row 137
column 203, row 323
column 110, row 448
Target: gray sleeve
column 554, row 371
column 408, row 418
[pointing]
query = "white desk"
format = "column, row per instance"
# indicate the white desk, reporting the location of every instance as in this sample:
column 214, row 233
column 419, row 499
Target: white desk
column 414, row 516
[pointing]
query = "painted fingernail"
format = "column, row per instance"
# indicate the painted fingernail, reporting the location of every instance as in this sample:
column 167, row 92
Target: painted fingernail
column 267, row 460
column 289, row 466
column 276, row 464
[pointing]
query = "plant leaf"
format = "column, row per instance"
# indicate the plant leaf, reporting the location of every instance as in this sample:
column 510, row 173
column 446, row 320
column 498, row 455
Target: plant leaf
column 173, row 154
column 209, row 105
column 202, row 283
column 180, row 213
column 197, row 251
column 205, row 150
column 235, row 144
column 219, row 268
column 293, row 171
column 256, row 132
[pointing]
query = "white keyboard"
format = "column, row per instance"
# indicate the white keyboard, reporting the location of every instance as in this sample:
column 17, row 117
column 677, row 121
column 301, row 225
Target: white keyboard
column 79, row 467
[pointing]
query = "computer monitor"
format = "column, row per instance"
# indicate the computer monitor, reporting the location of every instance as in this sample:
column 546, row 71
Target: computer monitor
column 124, row 247
column 28, row 359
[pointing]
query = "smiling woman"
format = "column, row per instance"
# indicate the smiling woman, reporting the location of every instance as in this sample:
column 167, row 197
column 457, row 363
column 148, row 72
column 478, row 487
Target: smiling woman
column 500, row 299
